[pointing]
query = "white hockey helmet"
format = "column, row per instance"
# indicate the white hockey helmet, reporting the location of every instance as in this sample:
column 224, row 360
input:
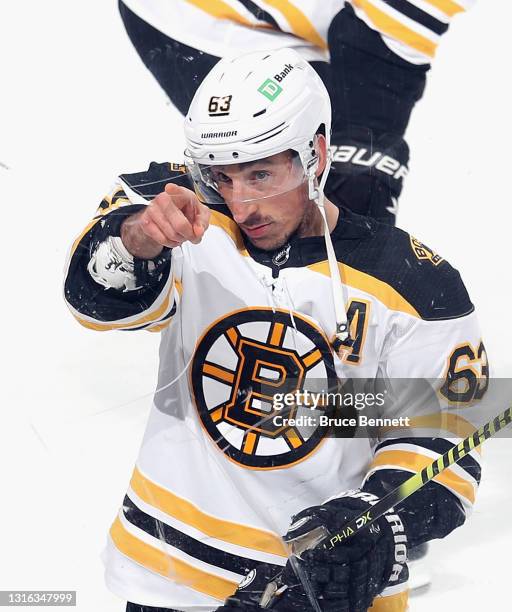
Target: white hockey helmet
column 252, row 107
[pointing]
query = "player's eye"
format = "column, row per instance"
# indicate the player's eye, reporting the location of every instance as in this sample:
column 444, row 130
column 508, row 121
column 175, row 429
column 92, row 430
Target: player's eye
column 220, row 177
column 260, row 175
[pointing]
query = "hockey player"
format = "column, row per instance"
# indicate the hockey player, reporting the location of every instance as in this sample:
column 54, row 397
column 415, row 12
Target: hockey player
column 373, row 56
column 261, row 285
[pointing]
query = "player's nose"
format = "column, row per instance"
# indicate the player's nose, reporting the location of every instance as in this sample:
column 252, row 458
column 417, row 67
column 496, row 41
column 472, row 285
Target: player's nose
column 242, row 201
column 240, row 191
column 241, row 211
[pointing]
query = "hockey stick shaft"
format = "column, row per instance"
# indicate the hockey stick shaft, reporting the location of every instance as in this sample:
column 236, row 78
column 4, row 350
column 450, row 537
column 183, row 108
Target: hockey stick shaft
column 411, row 485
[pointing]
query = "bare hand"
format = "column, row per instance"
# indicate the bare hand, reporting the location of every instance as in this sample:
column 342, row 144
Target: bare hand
column 172, row 218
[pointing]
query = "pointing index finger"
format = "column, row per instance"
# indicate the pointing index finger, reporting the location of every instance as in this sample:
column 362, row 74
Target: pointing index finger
column 181, row 196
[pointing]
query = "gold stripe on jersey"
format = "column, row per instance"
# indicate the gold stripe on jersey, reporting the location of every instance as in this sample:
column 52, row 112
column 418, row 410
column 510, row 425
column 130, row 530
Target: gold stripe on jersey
column 369, row 284
column 448, row 7
column 300, row 24
column 186, row 512
column 101, row 212
column 221, row 10
column 113, row 201
column 168, row 566
column 157, row 328
column 391, row 603
column 395, row 29
column 160, row 327
column 438, row 421
column 414, row 462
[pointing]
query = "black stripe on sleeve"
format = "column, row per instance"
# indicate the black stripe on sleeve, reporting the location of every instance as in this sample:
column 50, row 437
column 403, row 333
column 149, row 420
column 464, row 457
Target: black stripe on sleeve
column 259, row 13
column 416, row 14
column 441, row 446
column 167, row 316
column 185, row 543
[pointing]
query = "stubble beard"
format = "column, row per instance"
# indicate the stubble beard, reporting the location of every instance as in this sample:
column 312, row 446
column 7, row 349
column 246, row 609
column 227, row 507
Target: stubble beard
column 309, row 224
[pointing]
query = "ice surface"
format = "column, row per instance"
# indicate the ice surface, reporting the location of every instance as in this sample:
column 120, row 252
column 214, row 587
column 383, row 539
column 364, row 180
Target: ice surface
column 77, row 107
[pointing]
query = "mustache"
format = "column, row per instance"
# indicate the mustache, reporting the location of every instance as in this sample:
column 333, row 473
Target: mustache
column 255, row 220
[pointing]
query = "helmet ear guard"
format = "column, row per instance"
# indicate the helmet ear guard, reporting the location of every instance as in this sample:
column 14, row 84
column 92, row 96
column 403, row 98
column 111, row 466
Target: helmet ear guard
column 311, row 169
column 313, row 193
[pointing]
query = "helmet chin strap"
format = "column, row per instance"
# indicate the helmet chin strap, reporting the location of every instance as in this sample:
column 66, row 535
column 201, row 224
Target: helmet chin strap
column 316, row 193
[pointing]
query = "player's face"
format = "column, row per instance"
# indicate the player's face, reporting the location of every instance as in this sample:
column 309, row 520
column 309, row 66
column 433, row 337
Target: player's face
column 267, row 198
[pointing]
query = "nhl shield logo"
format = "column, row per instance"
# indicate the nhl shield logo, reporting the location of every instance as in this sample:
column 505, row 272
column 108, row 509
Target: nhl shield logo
column 240, row 363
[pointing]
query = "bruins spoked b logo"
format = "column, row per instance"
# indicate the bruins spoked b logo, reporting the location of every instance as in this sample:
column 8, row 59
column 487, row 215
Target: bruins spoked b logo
column 240, row 363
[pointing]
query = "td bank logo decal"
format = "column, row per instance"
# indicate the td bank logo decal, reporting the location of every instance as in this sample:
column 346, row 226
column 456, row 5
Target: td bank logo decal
column 270, row 89
column 241, row 361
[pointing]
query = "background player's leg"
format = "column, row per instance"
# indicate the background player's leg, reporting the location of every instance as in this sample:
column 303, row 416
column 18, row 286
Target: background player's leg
column 178, row 68
column 373, row 91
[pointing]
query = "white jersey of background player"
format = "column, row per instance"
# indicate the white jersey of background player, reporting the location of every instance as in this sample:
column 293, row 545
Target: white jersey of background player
column 373, row 56
column 248, row 297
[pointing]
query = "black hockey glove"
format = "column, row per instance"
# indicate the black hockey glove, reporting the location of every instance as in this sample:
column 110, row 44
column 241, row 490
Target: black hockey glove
column 349, row 576
column 345, row 578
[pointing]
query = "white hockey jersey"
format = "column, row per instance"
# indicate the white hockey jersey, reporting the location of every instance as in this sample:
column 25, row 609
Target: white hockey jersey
column 410, row 28
column 217, row 479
